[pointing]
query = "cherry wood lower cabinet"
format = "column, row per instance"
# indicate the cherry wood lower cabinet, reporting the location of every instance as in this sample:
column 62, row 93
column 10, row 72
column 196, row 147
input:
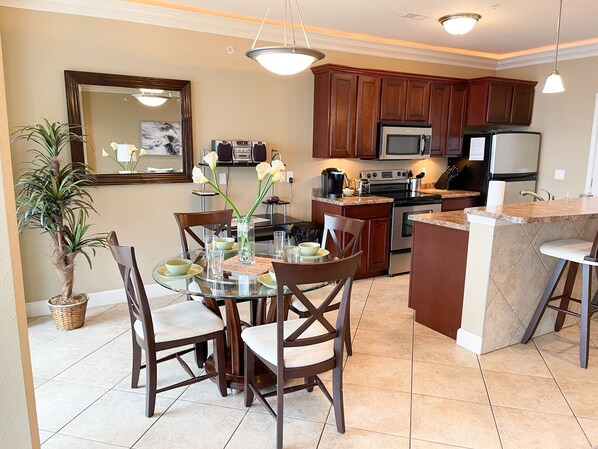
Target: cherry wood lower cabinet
column 459, row 203
column 375, row 237
column 437, row 277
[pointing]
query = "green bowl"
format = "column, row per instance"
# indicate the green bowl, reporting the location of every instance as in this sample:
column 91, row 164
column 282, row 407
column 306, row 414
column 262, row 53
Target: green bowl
column 272, row 275
column 224, row 242
column 178, row 267
column 309, row 248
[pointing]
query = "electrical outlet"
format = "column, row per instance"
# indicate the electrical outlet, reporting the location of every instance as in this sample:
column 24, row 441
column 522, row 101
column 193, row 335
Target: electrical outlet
column 222, row 178
column 559, row 174
column 289, row 176
column 283, row 176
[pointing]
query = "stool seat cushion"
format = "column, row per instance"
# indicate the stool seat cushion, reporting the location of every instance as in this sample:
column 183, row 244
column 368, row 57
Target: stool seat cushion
column 180, row 321
column 569, row 249
column 263, row 342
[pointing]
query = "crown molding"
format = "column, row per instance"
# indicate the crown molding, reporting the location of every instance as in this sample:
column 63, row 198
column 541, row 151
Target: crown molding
column 213, row 24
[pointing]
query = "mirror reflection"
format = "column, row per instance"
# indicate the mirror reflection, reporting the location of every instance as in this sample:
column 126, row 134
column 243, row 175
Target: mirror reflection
column 132, row 119
column 137, row 129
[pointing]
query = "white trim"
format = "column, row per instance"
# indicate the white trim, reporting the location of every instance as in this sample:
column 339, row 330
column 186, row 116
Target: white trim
column 592, row 166
column 469, row 341
column 106, row 298
column 167, row 17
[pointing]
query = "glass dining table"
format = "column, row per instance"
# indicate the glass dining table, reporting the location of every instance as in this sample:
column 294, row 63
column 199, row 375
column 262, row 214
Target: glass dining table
column 236, row 284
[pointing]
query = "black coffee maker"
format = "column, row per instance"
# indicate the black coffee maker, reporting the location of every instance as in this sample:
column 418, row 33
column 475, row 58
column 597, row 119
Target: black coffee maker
column 333, row 180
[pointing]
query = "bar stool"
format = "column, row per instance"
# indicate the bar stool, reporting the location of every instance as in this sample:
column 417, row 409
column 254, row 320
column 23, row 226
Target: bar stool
column 574, row 253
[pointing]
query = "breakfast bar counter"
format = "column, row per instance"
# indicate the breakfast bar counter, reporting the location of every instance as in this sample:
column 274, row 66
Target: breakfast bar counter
column 505, row 272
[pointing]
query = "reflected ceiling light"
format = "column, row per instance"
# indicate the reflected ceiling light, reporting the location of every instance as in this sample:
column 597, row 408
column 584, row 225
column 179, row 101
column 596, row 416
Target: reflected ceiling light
column 286, row 59
column 151, row 97
column 554, row 82
column 459, row 23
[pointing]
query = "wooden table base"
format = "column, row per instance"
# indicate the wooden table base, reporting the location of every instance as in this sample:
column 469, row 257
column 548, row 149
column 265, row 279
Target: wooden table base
column 263, row 376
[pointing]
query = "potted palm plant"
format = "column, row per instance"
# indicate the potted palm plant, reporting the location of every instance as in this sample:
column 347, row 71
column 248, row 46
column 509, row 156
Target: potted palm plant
column 52, row 197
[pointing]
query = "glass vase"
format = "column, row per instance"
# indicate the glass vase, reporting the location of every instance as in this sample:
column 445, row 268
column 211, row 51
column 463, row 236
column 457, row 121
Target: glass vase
column 246, row 241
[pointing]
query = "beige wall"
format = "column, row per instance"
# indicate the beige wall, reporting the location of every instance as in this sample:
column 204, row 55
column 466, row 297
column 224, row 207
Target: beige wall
column 232, row 97
column 565, row 121
column 18, row 420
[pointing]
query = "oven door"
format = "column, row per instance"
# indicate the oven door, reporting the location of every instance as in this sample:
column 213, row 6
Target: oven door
column 402, row 228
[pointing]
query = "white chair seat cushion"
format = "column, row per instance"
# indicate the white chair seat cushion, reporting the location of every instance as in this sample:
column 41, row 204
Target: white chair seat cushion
column 316, row 297
column 183, row 320
column 262, row 341
column 569, row 249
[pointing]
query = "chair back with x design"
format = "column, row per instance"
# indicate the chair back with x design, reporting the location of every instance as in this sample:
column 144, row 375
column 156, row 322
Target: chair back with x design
column 344, row 232
column 218, row 221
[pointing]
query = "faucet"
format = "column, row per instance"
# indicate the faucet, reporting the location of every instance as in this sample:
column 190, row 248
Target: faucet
column 536, row 196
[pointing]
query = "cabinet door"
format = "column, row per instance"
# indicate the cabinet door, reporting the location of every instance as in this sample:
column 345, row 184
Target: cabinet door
column 393, row 99
column 499, row 103
column 522, row 105
column 368, row 99
column 456, row 120
column 418, row 101
column 378, row 243
column 439, row 106
column 342, row 111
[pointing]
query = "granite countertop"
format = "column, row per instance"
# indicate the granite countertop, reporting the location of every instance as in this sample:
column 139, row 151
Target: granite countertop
column 316, row 194
column 450, row 193
column 456, row 219
column 570, row 209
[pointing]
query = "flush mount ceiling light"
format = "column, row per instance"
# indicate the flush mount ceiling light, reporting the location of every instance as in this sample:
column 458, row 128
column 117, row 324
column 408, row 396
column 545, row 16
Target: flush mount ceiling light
column 286, row 59
column 459, row 23
column 554, row 82
column 151, row 97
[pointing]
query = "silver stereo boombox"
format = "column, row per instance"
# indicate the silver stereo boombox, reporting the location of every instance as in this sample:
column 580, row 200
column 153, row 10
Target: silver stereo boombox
column 240, row 151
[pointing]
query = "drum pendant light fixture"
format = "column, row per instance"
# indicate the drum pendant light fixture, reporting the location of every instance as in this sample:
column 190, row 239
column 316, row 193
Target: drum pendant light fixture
column 459, row 23
column 554, row 82
column 286, row 59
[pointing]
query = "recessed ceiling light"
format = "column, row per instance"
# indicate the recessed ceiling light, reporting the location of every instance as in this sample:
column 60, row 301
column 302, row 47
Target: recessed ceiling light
column 411, row 15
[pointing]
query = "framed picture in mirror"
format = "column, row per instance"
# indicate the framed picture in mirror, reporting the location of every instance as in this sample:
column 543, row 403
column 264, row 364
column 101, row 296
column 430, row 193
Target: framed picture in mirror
column 137, row 129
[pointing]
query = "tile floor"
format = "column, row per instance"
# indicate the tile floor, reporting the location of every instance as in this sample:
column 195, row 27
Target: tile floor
column 406, row 386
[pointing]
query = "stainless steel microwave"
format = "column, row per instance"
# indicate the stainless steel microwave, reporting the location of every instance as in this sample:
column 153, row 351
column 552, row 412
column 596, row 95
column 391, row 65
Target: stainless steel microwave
column 404, row 142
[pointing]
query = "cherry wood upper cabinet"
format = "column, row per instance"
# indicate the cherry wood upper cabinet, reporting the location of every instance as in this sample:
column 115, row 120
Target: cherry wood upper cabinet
column 346, row 115
column 393, row 99
column 500, row 101
column 440, row 95
column 405, row 100
column 456, row 120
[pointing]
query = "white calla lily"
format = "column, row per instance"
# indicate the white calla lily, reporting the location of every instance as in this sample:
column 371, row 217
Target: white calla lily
column 276, row 177
column 211, row 158
column 114, row 145
column 142, row 152
column 133, row 149
column 105, row 153
column 198, row 176
column 263, row 168
column 277, row 167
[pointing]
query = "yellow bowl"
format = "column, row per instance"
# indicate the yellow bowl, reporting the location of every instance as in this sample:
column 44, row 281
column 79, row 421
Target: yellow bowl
column 309, row 248
column 224, row 242
column 178, row 267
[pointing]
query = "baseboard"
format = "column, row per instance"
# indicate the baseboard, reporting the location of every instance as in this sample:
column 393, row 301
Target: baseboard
column 106, row 298
column 469, row 341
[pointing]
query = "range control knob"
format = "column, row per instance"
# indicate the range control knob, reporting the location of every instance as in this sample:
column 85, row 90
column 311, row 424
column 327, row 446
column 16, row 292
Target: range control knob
column 399, row 174
column 369, row 175
column 375, row 174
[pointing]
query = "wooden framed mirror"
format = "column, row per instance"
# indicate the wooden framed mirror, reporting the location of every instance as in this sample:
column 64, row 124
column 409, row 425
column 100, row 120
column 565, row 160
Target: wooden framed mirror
column 110, row 108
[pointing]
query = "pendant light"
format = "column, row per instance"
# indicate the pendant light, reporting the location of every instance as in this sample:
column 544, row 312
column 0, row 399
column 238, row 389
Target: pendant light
column 151, row 97
column 554, row 82
column 459, row 23
column 285, row 59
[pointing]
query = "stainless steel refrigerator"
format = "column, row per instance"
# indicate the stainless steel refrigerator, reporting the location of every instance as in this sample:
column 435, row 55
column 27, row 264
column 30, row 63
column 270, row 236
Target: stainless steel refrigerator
column 503, row 156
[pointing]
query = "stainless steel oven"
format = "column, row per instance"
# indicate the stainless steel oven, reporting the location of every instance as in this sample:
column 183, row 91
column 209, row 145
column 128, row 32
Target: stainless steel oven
column 401, row 234
column 394, row 183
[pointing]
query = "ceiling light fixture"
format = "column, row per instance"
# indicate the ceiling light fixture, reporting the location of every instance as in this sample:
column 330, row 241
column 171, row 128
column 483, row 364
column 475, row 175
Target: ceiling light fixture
column 554, row 82
column 151, row 97
column 459, row 23
column 285, row 59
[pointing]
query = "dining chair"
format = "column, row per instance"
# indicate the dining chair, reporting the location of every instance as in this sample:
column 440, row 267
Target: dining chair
column 174, row 326
column 218, row 221
column 304, row 347
column 344, row 235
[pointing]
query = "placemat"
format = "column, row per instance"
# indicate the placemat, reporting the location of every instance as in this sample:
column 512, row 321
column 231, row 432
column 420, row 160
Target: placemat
column 260, row 266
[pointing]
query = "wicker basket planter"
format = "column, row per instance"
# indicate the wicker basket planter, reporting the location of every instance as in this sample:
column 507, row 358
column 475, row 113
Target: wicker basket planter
column 69, row 316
